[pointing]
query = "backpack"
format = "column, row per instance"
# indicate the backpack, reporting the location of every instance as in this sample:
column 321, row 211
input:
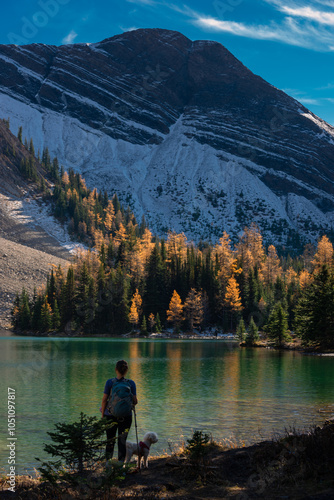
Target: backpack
column 120, row 399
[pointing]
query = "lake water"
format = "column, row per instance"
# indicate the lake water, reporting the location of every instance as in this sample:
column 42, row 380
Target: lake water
column 233, row 393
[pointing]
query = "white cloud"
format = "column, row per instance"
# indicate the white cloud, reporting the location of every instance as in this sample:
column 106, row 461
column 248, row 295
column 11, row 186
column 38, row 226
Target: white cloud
column 327, row 3
column 70, row 38
column 240, row 29
column 310, row 14
column 289, row 31
column 307, row 100
column 299, row 30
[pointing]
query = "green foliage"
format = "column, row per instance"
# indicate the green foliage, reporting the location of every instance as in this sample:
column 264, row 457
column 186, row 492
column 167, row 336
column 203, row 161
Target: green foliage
column 198, row 446
column 241, row 331
column 253, row 333
column 143, row 327
column 78, row 445
column 158, row 327
column 277, row 325
column 314, row 320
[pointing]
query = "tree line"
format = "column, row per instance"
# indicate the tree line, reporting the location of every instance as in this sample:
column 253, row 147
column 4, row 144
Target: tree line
column 147, row 283
column 130, row 279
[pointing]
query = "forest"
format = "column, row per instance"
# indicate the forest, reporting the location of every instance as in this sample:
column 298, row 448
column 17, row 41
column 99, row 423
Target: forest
column 131, row 280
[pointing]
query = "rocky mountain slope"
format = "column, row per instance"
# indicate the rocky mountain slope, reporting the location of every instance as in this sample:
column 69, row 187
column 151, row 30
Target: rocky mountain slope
column 181, row 130
column 29, row 237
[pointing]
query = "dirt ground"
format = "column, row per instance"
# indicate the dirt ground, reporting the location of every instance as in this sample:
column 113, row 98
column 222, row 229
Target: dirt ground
column 26, row 256
column 260, row 471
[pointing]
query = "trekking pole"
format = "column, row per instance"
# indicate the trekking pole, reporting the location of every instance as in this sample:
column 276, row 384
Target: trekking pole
column 134, row 412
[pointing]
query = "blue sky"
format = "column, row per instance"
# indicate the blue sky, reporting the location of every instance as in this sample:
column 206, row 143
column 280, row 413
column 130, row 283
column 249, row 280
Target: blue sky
column 290, row 43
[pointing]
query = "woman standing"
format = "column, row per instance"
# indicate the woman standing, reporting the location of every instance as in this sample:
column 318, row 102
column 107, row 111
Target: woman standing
column 118, row 398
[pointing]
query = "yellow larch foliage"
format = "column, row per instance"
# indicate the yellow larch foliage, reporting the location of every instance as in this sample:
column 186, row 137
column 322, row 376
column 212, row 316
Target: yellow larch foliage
column 324, row 254
column 120, row 234
column 291, row 276
column 175, row 311
column 109, row 216
column 250, row 250
column 193, row 308
column 65, row 178
column 271, row 267
column 232, row 297
column 151, row 321
column 133, row 314
column 224, row 255
column 304, row 278
column 138, row 301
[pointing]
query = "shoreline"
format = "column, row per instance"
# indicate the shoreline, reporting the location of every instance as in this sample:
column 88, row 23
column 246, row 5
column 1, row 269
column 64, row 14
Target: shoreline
column 166, row 335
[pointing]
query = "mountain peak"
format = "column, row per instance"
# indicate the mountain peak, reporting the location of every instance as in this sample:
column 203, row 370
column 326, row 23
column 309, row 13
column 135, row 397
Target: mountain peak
column 181, row 129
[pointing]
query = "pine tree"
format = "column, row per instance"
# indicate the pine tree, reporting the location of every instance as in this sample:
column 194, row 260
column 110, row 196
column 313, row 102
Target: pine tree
column 314, row 315
column 56, row 316
column 46, row 316
column 277, row 325
column 241, row 331
column 143, row 327
column 253, row 334
column 193, row 308
column 174, row 313
column 158, row 323
column 19, row 135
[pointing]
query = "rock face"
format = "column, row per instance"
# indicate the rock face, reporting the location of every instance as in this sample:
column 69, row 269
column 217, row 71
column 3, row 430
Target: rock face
column 181, row 130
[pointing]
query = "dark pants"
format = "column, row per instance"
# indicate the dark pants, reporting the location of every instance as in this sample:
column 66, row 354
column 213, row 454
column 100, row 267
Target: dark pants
column 123, row 425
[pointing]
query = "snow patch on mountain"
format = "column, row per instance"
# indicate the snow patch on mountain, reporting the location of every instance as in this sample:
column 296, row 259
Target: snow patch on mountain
column 179, row 185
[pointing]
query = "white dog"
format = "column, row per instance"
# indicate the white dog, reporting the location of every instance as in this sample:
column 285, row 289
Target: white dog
column 144, row 448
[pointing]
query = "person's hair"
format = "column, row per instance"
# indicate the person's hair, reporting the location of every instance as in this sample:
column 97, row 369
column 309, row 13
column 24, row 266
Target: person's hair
column 122, row 367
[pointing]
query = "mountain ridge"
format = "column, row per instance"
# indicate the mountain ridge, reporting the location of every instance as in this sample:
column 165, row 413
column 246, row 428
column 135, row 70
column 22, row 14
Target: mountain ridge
column 181, row 129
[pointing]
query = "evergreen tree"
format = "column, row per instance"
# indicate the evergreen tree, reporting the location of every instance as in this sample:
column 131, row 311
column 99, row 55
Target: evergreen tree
column 241, row 331
column 193, row 308
column 314, row 319
column 143, row 327
column 46, row 316
column 253, row 334
column 19, row 135
column 56, row 316
column 277, row 325
column 158, row 323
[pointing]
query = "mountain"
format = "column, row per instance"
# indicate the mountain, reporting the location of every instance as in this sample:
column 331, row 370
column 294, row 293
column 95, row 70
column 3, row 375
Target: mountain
column 181, row 130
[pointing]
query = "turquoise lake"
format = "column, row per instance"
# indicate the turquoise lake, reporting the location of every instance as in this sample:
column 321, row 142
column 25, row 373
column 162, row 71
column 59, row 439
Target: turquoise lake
column 238, row 394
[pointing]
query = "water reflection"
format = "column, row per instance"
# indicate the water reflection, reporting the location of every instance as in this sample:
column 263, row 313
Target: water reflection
column 182, row 386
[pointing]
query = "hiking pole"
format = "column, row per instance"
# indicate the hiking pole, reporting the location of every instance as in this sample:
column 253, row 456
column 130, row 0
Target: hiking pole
column 134, row 412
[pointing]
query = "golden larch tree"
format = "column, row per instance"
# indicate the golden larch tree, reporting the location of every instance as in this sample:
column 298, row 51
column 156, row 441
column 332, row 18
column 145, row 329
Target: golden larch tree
column 271, row 267
column 133, row 315
column 175, row 311
column 250, row 250
column 324, row 254
column 151, row 321
column 193, row 308
column 232, row 297
column 109, row 216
